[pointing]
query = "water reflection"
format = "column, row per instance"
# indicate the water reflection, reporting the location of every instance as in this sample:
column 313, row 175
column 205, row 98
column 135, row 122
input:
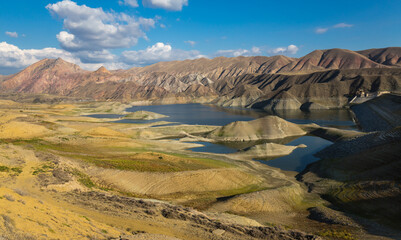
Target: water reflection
column 214, row 115
column 300, row 157
column 213, row 148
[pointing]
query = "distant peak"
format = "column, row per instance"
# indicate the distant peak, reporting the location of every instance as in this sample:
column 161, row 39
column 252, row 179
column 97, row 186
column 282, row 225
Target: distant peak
column 102, row 69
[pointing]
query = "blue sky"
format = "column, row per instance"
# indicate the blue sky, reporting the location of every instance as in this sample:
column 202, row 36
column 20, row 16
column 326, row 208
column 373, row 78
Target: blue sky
column 127, row 33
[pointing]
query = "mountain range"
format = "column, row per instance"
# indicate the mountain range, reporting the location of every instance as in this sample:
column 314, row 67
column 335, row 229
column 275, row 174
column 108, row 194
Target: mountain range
column 321, row 79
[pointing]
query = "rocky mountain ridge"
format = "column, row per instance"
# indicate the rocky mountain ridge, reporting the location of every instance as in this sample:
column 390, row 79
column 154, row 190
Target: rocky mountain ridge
column 321, row 79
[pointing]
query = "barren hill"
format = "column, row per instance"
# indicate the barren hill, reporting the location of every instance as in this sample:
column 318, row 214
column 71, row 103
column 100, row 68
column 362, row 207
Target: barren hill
column 387, row 56
column 330, row 59
column 270, row 127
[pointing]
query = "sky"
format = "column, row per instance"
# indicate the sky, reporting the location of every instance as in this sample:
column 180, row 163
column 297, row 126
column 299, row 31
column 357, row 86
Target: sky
column 128, row 33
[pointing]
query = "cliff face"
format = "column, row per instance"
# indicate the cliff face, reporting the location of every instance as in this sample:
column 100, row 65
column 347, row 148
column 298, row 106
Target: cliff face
column 321, row 79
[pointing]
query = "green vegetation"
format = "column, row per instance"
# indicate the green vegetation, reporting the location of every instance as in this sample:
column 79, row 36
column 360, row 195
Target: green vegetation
column 16, row 170
column 204, row 200
column 47, row 167
column 83, row 178
column 4, row 169
column 133, row 159
column 337, row 234
column 149, row 162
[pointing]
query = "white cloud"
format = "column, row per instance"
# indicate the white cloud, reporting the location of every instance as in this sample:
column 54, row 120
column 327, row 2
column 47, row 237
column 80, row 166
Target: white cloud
column 192, row 43
column 321, row 30
column 172, row 5
column 232, row 52
column 291, row 49
column 95, row 56
column 162, row 25
column 156, row 53
column 343, row 25
column 131, row 3
column 256, row 50
column 12, row 34
column 94, row 29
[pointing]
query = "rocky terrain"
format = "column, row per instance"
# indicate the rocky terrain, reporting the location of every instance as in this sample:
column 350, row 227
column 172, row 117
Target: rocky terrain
column 360, row 173
column 320, row 80
column 381, row 113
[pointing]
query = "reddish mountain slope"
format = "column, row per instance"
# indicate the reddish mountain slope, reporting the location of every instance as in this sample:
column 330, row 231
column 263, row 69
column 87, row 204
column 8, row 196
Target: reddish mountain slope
column 387, row 56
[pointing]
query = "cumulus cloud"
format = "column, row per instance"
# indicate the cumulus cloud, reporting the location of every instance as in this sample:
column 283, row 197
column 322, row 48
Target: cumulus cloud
column 192, row 43
column 95, row 56
column 172, row 5
column 156, row 53
column 12, row 34
column 321, row 30
column 131, row 3
column 94, row 29
column 291, row 49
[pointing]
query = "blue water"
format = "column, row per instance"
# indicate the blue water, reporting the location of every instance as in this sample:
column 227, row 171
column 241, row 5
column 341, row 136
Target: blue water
column 198, row 114
column 300, row 157
column 213, row 148
column 194, row 114
column 105, row 115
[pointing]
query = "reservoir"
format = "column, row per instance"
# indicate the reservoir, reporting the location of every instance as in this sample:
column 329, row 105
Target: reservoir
column 199, row 114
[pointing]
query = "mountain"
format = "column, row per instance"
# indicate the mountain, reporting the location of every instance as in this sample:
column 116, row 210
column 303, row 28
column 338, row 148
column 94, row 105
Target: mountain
column 321, row 79
column 387, row 56
column 330, row 59
column 102, row 70
column 47, row 75
column 322, row 89
column 216, row 68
